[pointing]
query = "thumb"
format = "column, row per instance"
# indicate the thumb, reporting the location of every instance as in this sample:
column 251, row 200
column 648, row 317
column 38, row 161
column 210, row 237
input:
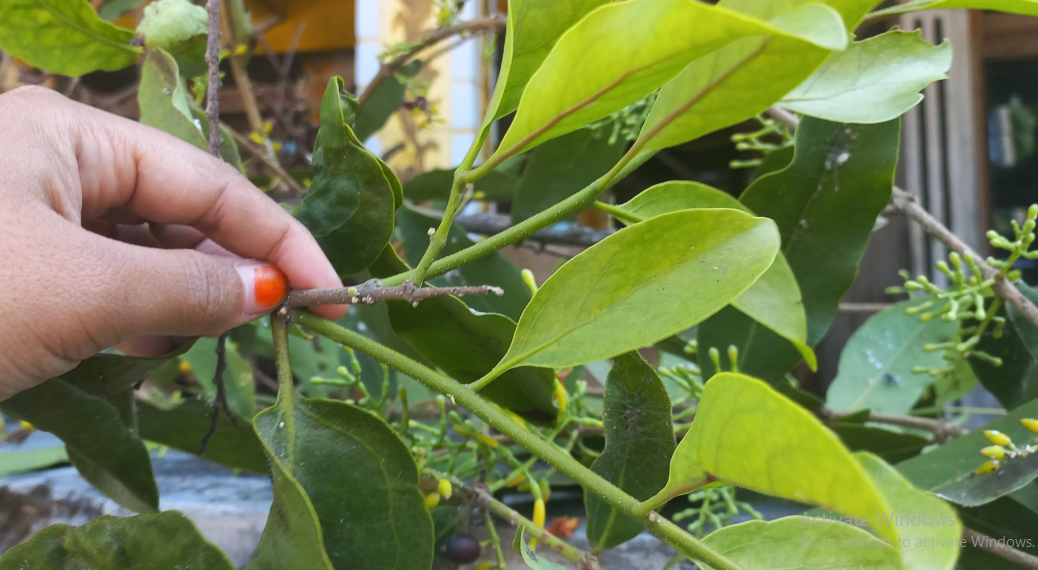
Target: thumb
column 186, row 293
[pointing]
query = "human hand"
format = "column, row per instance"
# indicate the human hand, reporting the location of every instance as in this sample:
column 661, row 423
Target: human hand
column 81, row 272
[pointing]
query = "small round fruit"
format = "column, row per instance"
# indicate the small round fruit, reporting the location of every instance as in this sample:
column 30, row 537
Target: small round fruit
column 461, row 549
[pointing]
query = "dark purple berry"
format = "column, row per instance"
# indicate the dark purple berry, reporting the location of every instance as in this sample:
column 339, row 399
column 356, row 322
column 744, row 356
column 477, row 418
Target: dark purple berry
column 461, row 549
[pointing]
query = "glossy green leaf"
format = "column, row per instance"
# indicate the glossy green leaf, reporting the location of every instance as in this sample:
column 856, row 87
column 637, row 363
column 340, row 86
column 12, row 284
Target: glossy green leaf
column 12, row 462
column 494, row 269
column 292, row 537
column 872, row 81
column 876, row 364
column 184, row 426
column 386, row 100
column 165, row 105
column 362, row 483
column 790, row 543
column 112, row 9
column 614, row 72
column 561, row 167
column 934, row 545
column 237, row 377
column 641, row 285
column 639, row 440
column 1016, row 381
column 436, row 185
column 1013, row 516
column 825, row 204
column 100, row 435
column 747, row 76
column 109, row 374
column 349, row 207
column 747, row 434
column 66, row 37
column 950, row 388
column 947, row 470
column 466, row 344
column 533, row 562
column 144, row 542
column 1025, row 7
column 774, row 300
column 891, row 446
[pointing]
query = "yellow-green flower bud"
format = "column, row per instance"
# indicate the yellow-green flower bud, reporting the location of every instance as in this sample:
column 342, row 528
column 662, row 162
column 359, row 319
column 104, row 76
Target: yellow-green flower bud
column 445, row 488
column 998, row 438
column 431, row 500
column 993, row 452
column 1030, row 424
column 987, row 467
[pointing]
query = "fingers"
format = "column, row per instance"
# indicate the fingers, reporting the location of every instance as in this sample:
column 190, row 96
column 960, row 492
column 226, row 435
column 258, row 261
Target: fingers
column 143, row 173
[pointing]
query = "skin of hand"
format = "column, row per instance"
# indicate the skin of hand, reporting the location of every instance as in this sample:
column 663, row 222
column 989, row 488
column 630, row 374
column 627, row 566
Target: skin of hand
column 80, row 269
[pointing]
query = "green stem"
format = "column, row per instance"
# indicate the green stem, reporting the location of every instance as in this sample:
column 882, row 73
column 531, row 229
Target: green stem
column 438, row 239
column 619, row 213
column 286, row 389
column 574, row 203
column 496, row 540
column 466, row 397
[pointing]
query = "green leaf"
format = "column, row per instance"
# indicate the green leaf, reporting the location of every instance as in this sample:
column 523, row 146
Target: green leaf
column 66, row 37
column 933, row 545
column 494, row 269
column 533, row 562
column 947, row 470
column 362, row 482
column 641, row 285
column 292, row 537
column 747, row 76
column 790, row 543
column 1012, row 516
column 386, row 100
column 436, row 185
column 31, row 460
column 825, row 204
column 952, row 387
column 183, row 427
column 180, row 28
column 747, row 434
column 144, row 542
column 237, row 378
column 872, row 81
column 165, row 105
column 466, row 344
column 100, row 434
column 560, row 168
column 594, row 70
column 639, row 440
column 111, row 10
column 876, row 364
column 774, row 300
column 1025, row 7
column 891, row 446
column 349, row 207
column 106, row 375
column 1016, row 381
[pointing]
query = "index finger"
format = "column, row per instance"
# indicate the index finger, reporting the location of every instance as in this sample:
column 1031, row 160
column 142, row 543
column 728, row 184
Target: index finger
column 164, row 179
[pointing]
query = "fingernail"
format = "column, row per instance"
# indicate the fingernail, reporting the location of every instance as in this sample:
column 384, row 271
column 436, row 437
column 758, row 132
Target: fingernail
column 265, row 287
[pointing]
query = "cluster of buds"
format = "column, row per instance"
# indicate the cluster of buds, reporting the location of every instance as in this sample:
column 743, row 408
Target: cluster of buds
column 444, row 491
column 626, row 124
column 1017, row 248
column 754, row 141
column 1003, row 449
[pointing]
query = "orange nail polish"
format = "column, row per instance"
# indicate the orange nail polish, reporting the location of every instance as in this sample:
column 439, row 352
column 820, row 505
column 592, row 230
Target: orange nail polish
column 265, row 287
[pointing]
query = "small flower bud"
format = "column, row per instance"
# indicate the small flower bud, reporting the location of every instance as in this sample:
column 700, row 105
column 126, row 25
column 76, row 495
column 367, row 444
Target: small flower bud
column 446, row 489
column 998, row 438
column 431, row 500
column 987, row 467
column 1030, row 423
column 538, row 513
column 1032, row 212
column 993, row 452
column 560, row 395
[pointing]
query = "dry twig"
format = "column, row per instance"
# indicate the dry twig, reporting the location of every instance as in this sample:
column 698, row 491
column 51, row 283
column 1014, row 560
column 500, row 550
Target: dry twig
column 372, row 292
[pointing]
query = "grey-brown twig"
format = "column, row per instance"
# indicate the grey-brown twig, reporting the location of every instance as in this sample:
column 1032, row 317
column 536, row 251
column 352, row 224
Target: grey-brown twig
column 906, row 204
column 992, row 545
column 212, row 60
column 389, row 68
column 372, row 291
